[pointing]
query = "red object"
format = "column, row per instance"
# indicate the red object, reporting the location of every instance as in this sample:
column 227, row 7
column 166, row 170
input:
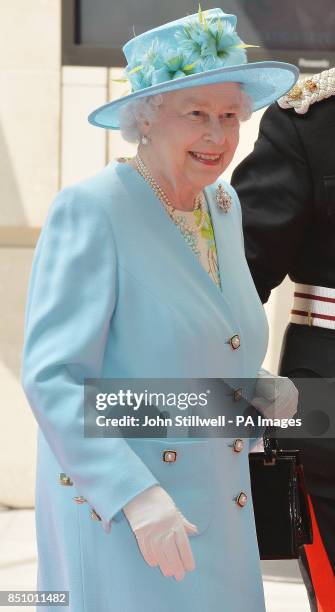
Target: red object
column 320, row 298
column 304, row 313
column 323, row 578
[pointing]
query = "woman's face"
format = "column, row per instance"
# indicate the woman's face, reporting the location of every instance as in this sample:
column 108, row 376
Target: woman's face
column 196, row 132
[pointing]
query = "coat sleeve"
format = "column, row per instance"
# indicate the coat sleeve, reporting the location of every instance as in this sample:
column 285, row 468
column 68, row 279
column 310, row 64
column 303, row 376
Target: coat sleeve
column 71, row 299
column 276, row 194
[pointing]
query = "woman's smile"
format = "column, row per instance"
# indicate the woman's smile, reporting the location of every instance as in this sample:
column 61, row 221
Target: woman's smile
column 209, row 159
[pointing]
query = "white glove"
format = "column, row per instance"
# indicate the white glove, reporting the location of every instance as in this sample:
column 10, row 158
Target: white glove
column 276, row 396
column 161, row 531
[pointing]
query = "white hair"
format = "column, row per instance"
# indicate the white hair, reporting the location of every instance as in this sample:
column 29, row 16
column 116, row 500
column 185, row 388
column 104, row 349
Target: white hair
column 146, row 108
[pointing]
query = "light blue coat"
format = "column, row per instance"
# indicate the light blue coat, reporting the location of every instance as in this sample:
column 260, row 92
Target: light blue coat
column 116, row 292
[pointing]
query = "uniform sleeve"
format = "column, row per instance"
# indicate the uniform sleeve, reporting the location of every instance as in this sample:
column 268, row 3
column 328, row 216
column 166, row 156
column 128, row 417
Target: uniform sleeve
column 71, row 299
column 276, row 195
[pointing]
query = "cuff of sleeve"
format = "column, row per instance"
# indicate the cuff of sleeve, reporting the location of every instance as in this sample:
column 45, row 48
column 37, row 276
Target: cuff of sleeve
column 118, row 515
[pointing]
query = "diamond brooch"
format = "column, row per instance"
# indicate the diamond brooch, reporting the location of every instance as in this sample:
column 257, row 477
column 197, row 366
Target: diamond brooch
column 223, row 199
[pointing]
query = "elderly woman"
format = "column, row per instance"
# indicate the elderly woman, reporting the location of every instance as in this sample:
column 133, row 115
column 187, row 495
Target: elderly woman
column 140, row 272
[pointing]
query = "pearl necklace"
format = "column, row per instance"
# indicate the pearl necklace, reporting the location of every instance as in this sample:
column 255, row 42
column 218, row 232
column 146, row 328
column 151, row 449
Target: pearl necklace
column 188, row 232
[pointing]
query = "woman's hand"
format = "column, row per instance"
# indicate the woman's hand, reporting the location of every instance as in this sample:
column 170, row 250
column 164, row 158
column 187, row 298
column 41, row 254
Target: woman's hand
column 276, row 396
column 161, row 531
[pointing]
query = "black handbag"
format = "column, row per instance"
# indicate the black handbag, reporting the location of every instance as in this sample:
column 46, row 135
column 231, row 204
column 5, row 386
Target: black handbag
column 282, row 516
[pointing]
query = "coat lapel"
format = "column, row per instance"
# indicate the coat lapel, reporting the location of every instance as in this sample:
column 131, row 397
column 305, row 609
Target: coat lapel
column 227, row 233
column 152, row 213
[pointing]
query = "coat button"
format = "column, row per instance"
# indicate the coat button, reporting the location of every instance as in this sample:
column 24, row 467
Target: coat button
column 238, row 394
column 169, row 456
column 238, row 445
column 79, row 500
column 65, row 480
column 241, row 499
column 95, row 516
column 235, row 342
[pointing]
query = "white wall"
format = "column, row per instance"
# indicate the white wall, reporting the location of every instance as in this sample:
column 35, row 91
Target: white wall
column 30, row 104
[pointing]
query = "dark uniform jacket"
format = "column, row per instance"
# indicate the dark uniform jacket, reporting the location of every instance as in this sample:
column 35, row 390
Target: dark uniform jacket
column 287, row 191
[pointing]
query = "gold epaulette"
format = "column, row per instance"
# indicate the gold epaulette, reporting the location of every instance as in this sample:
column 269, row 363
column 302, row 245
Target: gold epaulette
column 308, row 91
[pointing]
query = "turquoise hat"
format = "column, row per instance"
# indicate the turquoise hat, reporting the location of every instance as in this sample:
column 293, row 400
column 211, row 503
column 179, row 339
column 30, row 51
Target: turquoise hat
column 200, row 49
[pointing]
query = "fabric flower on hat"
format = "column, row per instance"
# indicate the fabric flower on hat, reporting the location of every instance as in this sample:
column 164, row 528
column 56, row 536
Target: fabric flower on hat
column 158, row 65
column 178, row 64
column 215, row 42
column 204, row 44
column 140, row 75
column 230, row 47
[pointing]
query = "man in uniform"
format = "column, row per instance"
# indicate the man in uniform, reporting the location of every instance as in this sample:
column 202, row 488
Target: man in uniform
column 287, row 192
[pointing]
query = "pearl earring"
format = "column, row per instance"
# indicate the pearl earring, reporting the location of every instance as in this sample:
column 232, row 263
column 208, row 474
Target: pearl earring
column 144, row 140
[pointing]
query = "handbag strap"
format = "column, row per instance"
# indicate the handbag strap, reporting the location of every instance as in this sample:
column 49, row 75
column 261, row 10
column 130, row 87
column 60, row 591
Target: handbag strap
column 271, row 446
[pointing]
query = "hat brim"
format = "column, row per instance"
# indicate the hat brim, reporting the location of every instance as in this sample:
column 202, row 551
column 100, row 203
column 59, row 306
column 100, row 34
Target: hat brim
column 264, row 82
